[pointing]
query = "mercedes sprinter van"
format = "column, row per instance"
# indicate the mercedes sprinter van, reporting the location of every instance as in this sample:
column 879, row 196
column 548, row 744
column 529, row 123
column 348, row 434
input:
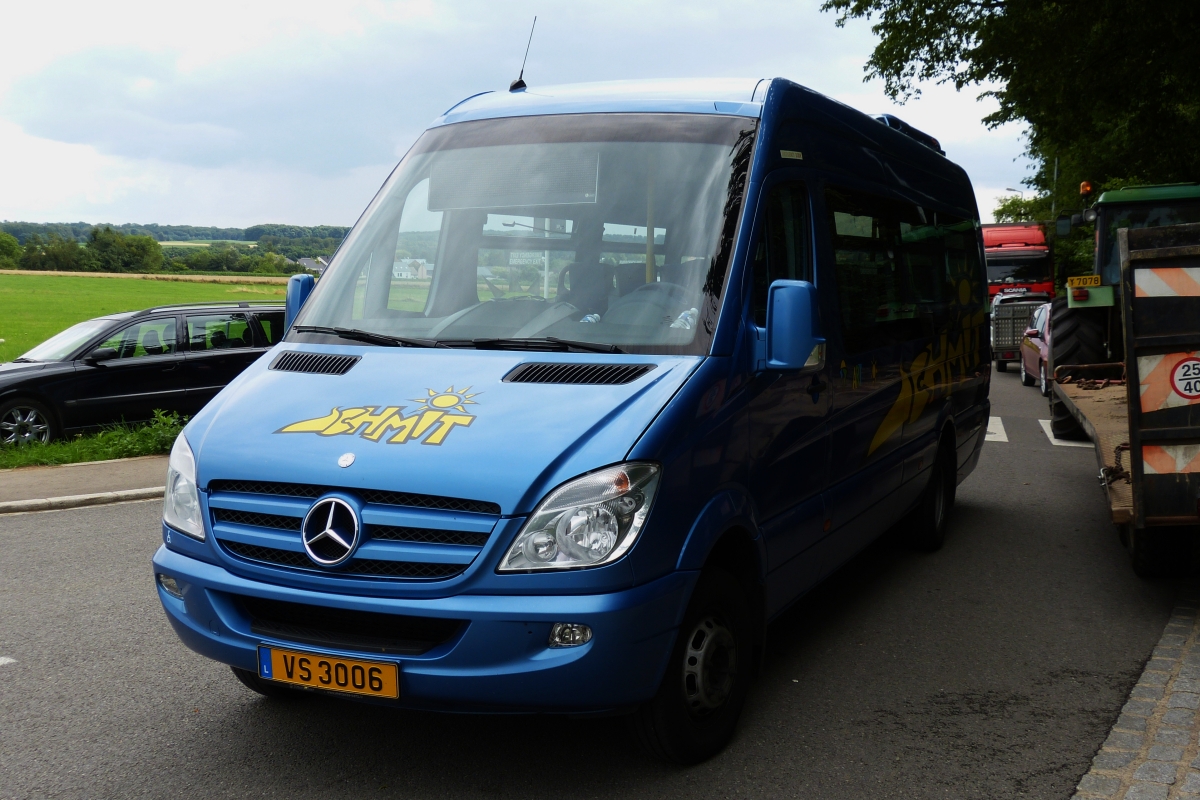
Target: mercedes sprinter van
column 605, row 377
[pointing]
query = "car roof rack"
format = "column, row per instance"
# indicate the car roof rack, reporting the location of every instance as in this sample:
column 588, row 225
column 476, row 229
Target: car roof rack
column 212, row 304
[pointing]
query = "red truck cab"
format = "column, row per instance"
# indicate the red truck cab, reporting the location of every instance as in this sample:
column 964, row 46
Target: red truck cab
column 1018, row 259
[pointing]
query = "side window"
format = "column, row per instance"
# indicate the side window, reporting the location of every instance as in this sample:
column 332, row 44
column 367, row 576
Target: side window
column 783, row 250
column 218, row 332
column 890, row 268
column 150, row 338
column 272, row 325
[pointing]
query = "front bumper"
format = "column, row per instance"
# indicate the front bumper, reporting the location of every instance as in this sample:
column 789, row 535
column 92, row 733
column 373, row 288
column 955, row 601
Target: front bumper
column 499, row 661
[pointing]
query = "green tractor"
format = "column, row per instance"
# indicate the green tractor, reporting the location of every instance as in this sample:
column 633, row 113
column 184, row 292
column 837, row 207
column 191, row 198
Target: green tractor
column 1086, row 326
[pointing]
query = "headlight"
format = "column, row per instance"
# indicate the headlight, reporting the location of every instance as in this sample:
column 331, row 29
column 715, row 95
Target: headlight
column 181, row 505
column 586, row 522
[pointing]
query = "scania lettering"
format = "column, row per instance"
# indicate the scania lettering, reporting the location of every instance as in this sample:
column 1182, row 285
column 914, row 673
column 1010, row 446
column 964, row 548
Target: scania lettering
column 603, row 380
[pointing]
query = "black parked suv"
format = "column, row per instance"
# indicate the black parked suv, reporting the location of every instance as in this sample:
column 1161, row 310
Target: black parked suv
column 122, row 367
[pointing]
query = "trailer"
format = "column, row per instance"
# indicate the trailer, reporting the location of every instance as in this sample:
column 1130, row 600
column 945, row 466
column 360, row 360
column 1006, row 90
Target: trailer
column 1143, row 413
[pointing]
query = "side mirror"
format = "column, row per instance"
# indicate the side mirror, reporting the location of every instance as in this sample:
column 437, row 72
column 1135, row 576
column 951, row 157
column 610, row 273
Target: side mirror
column 1032, row 333
column 298, row 289
column 1062, row 226
column 792, row 340
column 101, row 354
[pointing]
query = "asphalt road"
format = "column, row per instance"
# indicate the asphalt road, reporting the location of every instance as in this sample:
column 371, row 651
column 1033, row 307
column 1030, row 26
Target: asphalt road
column 993, row 668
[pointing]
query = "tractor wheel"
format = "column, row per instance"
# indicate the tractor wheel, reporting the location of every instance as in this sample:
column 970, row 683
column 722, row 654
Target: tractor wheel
column 1077, row 334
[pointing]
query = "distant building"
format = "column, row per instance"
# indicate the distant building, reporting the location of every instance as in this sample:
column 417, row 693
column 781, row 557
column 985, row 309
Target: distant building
column 317, row 265
column 412, row 269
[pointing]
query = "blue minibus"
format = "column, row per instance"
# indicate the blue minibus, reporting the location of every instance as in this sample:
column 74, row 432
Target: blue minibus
column 605, row 377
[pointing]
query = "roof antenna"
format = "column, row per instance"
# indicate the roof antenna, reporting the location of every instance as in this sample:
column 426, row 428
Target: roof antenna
column 519, row 83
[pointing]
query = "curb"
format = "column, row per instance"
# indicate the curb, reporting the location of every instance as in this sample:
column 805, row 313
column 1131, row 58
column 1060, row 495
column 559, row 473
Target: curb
column 79, row 500
column 81, row 463
column 1153, row 751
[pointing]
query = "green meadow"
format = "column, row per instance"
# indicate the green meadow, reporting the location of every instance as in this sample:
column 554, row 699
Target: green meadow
column 35, row 307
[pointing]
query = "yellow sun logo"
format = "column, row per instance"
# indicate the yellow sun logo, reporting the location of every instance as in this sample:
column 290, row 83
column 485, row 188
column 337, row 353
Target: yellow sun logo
column 449, row 399
column 430, row 423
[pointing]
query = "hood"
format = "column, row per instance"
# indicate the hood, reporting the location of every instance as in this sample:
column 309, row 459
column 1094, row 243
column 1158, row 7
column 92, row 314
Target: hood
column 434, row 422
column 13, row 369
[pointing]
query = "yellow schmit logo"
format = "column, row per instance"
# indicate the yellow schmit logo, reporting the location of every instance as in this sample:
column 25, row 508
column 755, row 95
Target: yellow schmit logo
column 438, row 414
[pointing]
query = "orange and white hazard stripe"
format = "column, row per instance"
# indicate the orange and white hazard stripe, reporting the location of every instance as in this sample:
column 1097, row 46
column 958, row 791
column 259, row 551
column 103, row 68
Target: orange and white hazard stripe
column 1167, row 282
column 1169, row 381
column 1170, row 459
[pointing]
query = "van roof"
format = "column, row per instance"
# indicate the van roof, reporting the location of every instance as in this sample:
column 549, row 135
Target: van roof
column 735, row 96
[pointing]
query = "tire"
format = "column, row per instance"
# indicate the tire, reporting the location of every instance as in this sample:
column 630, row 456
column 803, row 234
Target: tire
column 1077, row 334
column 1026, row 378
column 1062, row 424
column 266, row 688
column 1043, row 379
column 927, row 522
column 1160, row 552
column 26, row 421
column 1001, row 366
column 695, row 713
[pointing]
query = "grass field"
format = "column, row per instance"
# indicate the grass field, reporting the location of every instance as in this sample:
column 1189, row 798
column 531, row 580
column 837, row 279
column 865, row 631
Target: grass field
column 35, row 307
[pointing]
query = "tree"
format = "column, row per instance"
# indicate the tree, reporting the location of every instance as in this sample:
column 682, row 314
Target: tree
column 113, row 251
column 1111, row 89
column 10, row 251
column 55, row 253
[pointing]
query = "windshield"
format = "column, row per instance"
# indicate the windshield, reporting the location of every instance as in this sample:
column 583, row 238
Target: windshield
column 1009, row 268
column 58, row 347
column 613, row 229
column 1143, row 215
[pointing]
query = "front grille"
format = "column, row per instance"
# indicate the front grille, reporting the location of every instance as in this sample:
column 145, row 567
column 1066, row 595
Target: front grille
column 428, row 501
column 369, row 495
column 266, row 487
column 391, row 533
column 276, row 521
column 356, row 567
column 353, row 630
column 605, row 374
column 315, row 363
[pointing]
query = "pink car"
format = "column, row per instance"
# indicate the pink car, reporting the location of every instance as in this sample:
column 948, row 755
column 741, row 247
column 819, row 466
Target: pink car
column 1035, row 350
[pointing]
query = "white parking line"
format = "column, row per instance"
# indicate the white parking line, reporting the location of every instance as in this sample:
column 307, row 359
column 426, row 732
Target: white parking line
column 995, row 431
column 1045, row 423
column 6, row 660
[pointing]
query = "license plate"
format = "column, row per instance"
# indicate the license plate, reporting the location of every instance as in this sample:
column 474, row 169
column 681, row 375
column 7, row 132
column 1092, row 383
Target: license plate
column 335, row 674
column 1083, row 281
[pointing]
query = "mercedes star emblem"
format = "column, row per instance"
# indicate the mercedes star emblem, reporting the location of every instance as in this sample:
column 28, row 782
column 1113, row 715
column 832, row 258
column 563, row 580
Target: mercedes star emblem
column 330, row 531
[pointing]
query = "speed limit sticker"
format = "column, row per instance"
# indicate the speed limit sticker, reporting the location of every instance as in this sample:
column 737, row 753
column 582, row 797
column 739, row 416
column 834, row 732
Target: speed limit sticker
column 1185, row 378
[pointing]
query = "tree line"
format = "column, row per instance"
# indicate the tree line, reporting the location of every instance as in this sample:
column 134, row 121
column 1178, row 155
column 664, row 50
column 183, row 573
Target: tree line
column 82, row 231
column 108, row 250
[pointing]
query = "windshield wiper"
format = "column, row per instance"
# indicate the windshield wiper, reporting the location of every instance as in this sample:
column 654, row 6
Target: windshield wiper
column 23, row 360
column 552, row 343
column 357, row 335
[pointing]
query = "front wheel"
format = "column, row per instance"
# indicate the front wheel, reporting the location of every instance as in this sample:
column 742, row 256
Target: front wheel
column 696, row 710
column 24, row 421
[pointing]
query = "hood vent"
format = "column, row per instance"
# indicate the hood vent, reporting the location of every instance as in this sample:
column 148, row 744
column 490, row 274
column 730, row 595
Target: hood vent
column 604, row 374
column 316, row 363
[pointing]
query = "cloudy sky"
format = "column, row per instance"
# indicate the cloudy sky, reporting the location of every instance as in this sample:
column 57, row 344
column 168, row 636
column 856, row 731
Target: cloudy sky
column 236, row 113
